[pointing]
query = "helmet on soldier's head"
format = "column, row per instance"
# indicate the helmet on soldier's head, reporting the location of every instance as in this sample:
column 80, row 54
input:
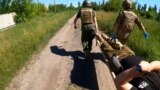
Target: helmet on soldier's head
column 127, row 4
column 86, row 3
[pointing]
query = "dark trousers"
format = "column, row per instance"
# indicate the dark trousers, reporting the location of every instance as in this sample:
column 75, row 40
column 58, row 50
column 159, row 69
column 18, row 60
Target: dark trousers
column 88, row 34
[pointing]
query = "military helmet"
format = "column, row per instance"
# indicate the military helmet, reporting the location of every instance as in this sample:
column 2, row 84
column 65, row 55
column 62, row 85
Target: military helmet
column 86, row 3
column 127, row 4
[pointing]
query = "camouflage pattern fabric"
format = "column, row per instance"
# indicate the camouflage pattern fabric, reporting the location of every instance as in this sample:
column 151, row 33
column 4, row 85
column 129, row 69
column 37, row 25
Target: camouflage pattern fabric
column 87, row 15
column 88, row 33
column 108, row 51
column 124, row 25
column 88, row 28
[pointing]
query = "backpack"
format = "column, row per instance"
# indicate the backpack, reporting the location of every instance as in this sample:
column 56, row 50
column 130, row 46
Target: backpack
column 127, row 22
column 87, row 15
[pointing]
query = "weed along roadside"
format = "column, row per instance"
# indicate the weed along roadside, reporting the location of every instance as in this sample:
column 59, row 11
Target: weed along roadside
column 20, row 42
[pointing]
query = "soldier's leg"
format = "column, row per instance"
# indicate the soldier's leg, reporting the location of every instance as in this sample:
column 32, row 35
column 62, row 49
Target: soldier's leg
column 91, row 34
column 84, row 39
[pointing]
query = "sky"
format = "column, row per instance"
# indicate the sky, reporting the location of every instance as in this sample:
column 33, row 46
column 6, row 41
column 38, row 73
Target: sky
column 75, row 2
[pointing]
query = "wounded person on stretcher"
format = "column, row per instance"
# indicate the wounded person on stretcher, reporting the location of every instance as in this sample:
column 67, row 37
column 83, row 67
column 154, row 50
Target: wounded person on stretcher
column 132, row 73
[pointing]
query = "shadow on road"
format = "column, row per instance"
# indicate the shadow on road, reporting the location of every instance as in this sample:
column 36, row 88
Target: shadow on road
column 83, row 73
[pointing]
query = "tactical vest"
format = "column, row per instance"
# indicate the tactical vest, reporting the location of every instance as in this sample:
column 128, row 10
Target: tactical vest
column 87, row 15
column 126, row 25
column 128, row 20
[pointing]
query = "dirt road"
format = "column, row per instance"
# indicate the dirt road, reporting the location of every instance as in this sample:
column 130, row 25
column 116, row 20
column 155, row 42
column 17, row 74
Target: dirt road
column 61, row 66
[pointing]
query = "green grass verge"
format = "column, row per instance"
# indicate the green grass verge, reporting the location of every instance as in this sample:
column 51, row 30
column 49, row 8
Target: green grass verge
column 19, row 43
column 147, row 49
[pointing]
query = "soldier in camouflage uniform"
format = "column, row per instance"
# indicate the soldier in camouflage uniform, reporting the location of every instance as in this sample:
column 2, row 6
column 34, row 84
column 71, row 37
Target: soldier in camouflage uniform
column 89, row 26
column 125, row 23
column 115, row 52
column 132, row 73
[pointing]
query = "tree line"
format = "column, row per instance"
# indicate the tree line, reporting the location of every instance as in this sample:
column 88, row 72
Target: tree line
column 116, row 5
column 27, row 9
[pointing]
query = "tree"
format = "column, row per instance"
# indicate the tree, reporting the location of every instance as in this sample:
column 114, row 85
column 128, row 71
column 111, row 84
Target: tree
column 4, row 6
column 103, row 2
column 59, row 7
column 79, row 4
column 155, row 8
column 95, row 6
column 144, row 8
column 113, row 5
column 26, row 9
column 151, row 13
column 71, row 6
column 158, row 16
column 139, row 7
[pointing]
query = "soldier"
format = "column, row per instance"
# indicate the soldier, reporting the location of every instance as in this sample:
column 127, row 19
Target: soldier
column 125, row 23
column 89, row 26
column 132, row 73
column 115, row 52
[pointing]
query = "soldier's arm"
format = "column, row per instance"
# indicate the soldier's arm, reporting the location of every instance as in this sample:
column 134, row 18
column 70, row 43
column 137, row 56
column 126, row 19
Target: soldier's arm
column 118, row 20
column 155, row 65
column 95, row 22
column 123, row 79
column 139, row 24
column 75, row 20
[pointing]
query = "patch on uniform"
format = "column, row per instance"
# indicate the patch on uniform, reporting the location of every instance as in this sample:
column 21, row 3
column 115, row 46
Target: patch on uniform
column 143, row 85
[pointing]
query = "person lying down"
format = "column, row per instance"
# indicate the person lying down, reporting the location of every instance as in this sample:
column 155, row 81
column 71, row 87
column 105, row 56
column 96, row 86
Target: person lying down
column 132, row 73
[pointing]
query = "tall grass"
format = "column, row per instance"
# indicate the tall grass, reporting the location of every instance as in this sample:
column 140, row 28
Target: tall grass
column 20, row 42
column 147, row 49
column 106, row 21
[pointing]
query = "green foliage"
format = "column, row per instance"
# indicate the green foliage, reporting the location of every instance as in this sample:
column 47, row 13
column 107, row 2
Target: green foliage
column 148, row 49
column 113, row 5
column 57, row 7
column 20, row 42
column 151, row 13
column 106, row 21
column 25, row 9
column 95, row 6
column 158, row 16
column 4, row 6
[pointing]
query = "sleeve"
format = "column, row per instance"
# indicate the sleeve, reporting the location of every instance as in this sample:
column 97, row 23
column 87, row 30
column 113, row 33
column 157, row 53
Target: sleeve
column 139, row 23
column 79, row 14
column 118, row 21
column 94, row 13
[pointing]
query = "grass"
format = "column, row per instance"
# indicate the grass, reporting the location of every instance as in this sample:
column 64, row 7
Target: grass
column 146, row 48
column 20, row 42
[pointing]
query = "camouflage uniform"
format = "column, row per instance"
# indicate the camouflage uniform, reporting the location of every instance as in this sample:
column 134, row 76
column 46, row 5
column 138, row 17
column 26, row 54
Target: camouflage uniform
column 88, row 28
column 125, row 23
column 111, row 50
